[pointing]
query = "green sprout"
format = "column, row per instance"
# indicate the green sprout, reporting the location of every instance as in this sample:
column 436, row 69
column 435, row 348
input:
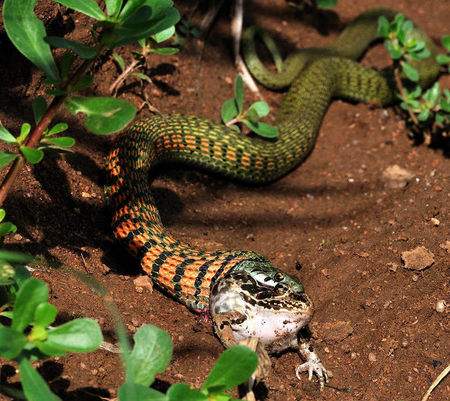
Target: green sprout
column 444, row 59
column 232, row 113
column 29, row 335
column 135, row 69
column 429, row 110
column 151, row 355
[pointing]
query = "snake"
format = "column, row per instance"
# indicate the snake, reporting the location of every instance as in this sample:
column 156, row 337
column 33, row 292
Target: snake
column 243, row 292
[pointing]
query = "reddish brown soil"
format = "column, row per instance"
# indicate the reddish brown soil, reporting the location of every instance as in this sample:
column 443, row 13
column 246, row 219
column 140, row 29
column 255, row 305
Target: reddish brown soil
column 333, row 214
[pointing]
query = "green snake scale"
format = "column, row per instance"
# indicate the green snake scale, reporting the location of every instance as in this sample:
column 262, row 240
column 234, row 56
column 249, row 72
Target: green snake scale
column 315, row 77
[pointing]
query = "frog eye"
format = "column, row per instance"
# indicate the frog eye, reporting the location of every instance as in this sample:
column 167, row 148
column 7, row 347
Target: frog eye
column 278, row 277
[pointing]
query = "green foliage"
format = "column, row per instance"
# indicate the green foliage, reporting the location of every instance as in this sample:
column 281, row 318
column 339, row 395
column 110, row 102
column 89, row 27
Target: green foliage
column 326, row 3
column 429, row 110
column 5, row 226
column 151, row 355
column 137, row 67
column 232, row 113
column 148, row 21
column 29, row 335
column 104, row 115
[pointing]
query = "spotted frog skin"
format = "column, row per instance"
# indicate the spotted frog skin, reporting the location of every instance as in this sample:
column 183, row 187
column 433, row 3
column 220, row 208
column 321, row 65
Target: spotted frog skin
column 256, row 300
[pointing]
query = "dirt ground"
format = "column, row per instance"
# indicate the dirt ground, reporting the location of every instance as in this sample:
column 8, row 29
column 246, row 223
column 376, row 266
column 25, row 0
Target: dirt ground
column 333, row 222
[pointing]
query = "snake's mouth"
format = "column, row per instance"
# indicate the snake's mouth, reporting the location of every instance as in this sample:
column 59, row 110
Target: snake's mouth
column 272, row 309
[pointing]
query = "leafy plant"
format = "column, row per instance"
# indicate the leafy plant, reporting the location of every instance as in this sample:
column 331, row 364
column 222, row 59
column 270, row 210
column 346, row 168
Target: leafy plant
column 122, row 23
column 6, row 227
column 151, row 355
column 429, row 110
column 135, row 68
column 29, row 335
column 233, row 113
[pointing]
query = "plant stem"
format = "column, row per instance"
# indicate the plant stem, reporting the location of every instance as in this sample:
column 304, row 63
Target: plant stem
column 127, row 71
column 36, row 135
column 401, row 89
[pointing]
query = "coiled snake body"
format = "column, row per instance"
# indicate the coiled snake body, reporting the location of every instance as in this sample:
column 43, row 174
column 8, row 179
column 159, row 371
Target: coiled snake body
column 242, row 290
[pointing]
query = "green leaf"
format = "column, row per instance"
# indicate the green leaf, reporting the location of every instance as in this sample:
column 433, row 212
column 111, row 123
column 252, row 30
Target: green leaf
column 113, row 7
column 165, row 51
column 423, row 115
column 11, row 342
column 6, row 136
column 443, row 59
column 57, row 128
column 24, row 132
column 84, row 82
column 181, row 391
column 410, row 72
column 439, row 119
column 130, row 7
column 2, row 214
column 445, row 105
column 326, row 3
column 164, row 35
column 261, row 108
column 132, row 31
column 142, row 76
column 32, row 155
column 45, row 314
column 119, row 60
column 383, row 27
column 137, row 392
column 6, row 158
column 83, row 51
column 233, row 367
column 239, row 92
column 27, row 34
column 63, row 142
column 104, row 115
column 65, row 64
column 7, row 228
column 446, row 42
column 432, row 94
column 228, row 110
column 78, row 335
column 262, row 129
column 32, row 293
column 34, row 386
column 15, row 257
column 151, row 354
column 39, row 106
column 87, row 7
column 394, row 50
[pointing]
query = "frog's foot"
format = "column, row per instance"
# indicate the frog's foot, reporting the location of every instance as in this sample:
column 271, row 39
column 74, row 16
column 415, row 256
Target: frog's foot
column 314, row 367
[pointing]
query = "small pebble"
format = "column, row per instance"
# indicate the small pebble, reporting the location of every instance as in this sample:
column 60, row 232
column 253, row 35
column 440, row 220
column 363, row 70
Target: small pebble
column 397, row 177
column 17, row 237
column 372, row 357
column 435, row 221
column 441, row 306
column 353, row 355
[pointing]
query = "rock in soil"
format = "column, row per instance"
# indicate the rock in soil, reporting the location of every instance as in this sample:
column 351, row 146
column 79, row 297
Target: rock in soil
column 397, row 177
column 418, row 258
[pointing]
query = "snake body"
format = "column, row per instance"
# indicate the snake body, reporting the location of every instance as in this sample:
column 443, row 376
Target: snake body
column 242, row 283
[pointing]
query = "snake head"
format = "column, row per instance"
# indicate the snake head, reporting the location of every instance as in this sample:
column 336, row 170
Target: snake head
column 257, row 300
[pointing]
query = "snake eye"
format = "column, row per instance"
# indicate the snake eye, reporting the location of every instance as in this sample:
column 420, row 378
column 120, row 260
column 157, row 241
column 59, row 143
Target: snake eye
column 278, row 277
